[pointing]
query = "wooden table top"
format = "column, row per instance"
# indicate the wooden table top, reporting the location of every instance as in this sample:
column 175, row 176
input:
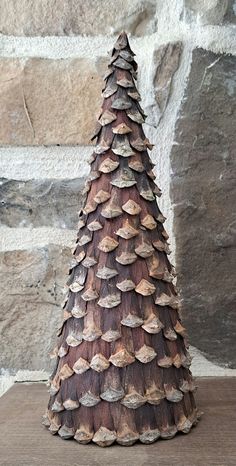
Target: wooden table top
column 25, row 442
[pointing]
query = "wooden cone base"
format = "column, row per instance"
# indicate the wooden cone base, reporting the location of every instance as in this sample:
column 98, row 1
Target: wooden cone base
column 122, row 366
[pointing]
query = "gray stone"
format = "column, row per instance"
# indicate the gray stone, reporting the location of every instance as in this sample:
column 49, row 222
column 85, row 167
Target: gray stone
column 37, row 203
column 212, row 12
column 31, row 292
column 206, row 12
column 166, row 62
column 72, row 17
column 230, row 16
column 203, row 192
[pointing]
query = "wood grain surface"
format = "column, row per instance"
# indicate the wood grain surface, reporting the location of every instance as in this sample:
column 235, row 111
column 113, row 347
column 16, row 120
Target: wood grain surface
column 25, row 442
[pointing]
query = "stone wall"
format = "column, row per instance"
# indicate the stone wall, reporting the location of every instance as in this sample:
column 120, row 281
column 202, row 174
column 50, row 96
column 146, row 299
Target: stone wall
column 52, row 57
column 203, row 192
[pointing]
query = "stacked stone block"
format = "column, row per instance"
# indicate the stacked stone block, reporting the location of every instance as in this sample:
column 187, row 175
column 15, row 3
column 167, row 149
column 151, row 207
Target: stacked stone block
column 52, row 58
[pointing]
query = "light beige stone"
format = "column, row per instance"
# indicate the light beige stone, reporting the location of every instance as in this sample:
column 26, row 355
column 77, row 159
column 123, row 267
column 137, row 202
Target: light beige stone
column 31, row 292
column 71, row 17
column 45, row 101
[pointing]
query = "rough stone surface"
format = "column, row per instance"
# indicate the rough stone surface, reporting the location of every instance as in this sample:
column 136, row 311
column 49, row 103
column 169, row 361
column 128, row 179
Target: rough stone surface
column 203, row 192
column 166, row 60
column 45, row 101
column 71, row 17
column 206, row 11
column 230, row 16
column 40, row 203
column 210, row 12
column 31, row 292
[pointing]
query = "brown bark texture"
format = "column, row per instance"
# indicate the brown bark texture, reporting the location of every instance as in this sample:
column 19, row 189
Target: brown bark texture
column 122, row 365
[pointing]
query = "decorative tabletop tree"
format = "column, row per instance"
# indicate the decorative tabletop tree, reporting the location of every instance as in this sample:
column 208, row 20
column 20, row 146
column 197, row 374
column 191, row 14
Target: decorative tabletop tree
column 122, row 371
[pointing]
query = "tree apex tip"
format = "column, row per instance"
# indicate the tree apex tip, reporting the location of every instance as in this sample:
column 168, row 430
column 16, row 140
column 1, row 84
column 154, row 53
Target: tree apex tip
column 122, row 41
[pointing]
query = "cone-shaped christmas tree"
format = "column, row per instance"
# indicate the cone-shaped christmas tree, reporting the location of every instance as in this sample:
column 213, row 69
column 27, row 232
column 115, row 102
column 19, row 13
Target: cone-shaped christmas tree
column 122, row 371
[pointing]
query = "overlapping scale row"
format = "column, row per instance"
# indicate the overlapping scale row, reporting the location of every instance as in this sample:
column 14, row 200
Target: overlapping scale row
column 122, row 364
